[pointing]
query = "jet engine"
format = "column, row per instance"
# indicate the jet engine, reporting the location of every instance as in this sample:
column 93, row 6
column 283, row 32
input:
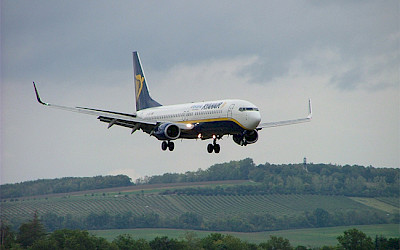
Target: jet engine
column 248, row 137
column 167, row 131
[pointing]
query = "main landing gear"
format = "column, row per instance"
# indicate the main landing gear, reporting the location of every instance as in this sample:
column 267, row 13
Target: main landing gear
column 170, row 145
column 214, row 146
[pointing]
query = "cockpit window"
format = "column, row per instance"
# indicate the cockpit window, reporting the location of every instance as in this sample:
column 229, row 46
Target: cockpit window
column 247, row 109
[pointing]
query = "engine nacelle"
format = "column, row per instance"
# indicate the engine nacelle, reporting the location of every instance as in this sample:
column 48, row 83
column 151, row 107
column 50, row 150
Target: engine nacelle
column 167, row 131
column 249, row 137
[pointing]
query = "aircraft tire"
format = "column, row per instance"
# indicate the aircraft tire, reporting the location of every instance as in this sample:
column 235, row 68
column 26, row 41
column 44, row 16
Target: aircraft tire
column 164, row 145
column 171, row 146
column 217, row 148
column 210, row 148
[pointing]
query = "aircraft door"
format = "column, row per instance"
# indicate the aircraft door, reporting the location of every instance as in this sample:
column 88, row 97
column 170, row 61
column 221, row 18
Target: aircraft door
column 229, row 115
column 185, row 115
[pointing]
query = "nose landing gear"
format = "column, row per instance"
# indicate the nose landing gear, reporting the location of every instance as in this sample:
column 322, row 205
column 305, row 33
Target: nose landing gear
column 170, row 145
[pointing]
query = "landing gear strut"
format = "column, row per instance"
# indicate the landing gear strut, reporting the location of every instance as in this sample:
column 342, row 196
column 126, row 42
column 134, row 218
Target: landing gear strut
column 214, row 146
column 170, row 145
column 243, row 142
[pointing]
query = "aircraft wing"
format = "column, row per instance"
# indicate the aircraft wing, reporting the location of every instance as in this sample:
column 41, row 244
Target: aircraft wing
column 112, row 118
column 288, row 122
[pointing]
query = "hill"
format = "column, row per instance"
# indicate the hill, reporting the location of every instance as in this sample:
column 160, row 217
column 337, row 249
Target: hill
column 326, row 179
column 62, row 185
column 137, row 209
column 234, row 196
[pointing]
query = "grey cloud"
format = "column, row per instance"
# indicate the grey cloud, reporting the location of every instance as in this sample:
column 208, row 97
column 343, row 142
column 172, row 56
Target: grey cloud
column 348, row 80
column 101, row 35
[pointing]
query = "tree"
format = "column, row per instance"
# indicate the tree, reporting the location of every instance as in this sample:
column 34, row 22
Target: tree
column 355, row 240
column 211, row 240
column 191, row 240
column 7, row 236
column 72, row 223
column 234, row 243
column 164, row 243
column 52, row 221
column 276, row 243
column 382, row 243
column 126, row 242
column 147, row 220
column 98, row 221
column 72, row 239
column 322, row 217
column 220, row 241
column 190, row 219
column 30, row 232
column 393, row 243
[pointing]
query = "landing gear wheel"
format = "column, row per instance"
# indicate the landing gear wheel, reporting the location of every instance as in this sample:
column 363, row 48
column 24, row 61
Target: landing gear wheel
column 171, row 146
column 164, row 145
column 217, row 148
column 210, row 148
column 243, row 142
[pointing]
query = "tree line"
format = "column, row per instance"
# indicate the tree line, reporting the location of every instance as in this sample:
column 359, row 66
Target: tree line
column 32, row 235
column 241, row 223
column 323, row 179
column 62, row 185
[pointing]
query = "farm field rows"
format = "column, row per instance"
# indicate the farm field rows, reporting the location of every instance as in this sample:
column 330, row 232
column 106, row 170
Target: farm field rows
column 210, row 207
column 314, row 237
column 389, row 205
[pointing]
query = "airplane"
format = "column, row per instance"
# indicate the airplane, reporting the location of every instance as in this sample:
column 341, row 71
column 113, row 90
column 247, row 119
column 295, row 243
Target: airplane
column 198, row 120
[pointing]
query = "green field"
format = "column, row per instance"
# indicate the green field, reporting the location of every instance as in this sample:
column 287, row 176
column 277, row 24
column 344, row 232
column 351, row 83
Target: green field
column 389, row 205
column 307, row 237
column 209, row 207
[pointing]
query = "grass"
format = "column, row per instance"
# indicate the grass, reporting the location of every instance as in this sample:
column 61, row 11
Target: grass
column 315, row 237
column 394, row 201
column 384, row 204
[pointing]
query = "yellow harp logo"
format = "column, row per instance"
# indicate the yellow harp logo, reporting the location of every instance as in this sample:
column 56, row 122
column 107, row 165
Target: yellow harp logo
column 139, row 85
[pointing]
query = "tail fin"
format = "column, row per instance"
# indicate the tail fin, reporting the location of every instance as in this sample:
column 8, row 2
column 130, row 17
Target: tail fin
column 143, row 99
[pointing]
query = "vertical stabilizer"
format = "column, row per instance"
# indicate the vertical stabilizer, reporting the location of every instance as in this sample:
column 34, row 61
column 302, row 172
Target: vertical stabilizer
column 143, row 99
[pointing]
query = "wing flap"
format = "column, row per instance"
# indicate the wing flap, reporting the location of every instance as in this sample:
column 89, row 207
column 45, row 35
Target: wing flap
column 123, row 123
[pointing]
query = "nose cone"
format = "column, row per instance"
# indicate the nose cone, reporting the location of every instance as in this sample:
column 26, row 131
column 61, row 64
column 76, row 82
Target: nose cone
column 253, row 119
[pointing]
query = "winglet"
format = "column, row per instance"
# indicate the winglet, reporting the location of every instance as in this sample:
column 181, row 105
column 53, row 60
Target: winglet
column 37, row 95
column 309, row 109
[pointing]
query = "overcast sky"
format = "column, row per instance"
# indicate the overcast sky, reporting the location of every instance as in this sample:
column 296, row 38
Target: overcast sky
column 276, row 54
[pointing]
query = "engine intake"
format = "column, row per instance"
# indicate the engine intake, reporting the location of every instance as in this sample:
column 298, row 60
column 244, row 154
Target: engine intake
column 167, row 131
column 248, row 137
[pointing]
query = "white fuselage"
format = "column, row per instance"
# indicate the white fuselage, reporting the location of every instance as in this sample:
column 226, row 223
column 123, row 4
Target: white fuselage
column 239, row 114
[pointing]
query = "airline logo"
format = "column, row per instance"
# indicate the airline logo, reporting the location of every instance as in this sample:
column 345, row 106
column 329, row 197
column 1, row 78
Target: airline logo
column 213, row 105
column 139, row 85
